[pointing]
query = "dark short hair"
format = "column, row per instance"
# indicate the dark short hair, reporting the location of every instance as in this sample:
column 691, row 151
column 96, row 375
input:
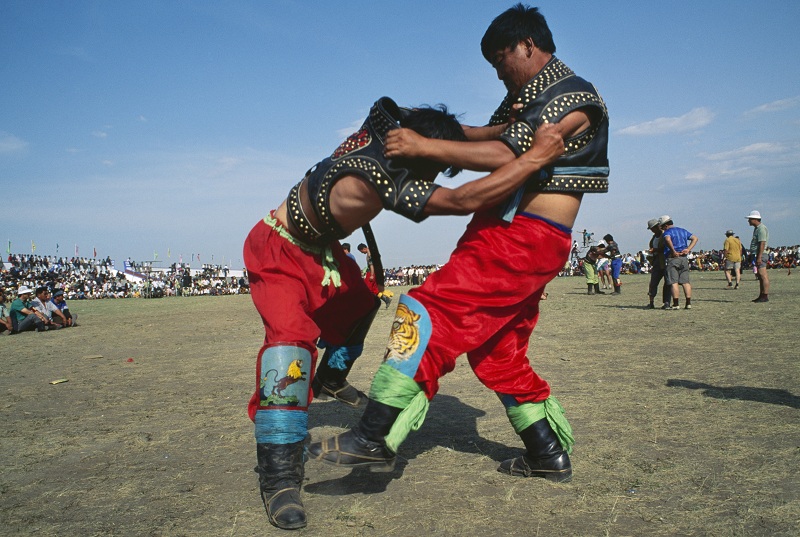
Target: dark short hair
column 346, row 246
column 608, row 238
column 360, row 246
column 433, row 122
column 42, row 289
column 516, row 24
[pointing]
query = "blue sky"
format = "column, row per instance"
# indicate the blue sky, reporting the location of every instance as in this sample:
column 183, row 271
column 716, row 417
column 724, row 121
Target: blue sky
column 172, row 127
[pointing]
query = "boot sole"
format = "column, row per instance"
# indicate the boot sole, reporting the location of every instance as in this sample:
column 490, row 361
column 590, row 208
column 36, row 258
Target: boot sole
column 376, row 467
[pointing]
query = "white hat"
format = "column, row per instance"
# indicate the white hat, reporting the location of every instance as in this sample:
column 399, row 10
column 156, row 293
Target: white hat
column 665, row 218
column 24, row 289
column 653, row 222
column 754, row 214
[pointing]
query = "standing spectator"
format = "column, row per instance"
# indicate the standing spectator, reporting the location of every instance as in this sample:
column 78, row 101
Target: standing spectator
column 758, row 251
column 678, row 243
column 590, row 271
column 658, row 265
column 612, row 252
column 23, row 316
column 347, row 252
column 370, row 279
column 732, row 252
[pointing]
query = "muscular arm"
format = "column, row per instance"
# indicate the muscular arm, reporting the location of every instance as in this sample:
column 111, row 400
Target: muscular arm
column 489, row 132
column 494, row 188
column 479, row 156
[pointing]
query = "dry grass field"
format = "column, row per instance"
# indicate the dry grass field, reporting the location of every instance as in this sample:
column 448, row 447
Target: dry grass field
column 687, row 423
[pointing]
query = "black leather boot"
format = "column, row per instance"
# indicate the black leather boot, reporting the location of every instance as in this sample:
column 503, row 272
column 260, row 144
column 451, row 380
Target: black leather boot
column 617, row 290
column 363, row 445
column 544, row 456
column 280, row 476
column 597, row 289
column 590, row 289
column 329, row 382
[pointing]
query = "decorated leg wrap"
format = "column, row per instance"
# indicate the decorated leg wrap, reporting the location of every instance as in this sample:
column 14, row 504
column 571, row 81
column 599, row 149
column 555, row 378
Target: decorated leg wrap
column 547, row 436
column 397, row 404
column 282, row 413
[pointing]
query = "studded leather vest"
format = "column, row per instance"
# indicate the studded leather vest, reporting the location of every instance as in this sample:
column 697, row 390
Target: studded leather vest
column 554, row 92
column 362, row 155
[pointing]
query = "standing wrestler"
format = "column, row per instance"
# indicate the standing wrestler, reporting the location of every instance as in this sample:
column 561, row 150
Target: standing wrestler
column 305, row 288
column 485, row 300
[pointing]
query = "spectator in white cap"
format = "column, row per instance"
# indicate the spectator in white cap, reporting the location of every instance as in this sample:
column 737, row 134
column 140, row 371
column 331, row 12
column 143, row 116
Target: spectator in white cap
column 758, row 253
column 23, row 316
column 732, row 254
column 678, row 243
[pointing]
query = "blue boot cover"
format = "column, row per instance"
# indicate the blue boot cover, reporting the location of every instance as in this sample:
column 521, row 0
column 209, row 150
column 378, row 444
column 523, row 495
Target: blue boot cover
column 282, row 414
column 340, row 357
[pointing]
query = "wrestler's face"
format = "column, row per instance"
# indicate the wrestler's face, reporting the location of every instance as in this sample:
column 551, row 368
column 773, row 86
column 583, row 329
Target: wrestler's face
column 513, row 66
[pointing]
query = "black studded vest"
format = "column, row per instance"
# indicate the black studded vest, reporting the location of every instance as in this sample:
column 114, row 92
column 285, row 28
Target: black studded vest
column 554, row 92
column 362, row 155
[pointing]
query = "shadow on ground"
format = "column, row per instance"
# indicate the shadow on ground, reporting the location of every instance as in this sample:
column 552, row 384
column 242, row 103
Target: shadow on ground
column 744, row 393
column 450, row 423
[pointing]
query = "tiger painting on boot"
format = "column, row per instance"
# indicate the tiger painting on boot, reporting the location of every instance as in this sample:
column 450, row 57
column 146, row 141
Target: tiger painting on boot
column 404, row 339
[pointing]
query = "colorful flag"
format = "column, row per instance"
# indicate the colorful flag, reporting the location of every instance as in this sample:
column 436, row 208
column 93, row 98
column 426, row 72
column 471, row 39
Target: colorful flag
column 76, row 250
column 56, row 247
column 168, row 254
column 33, row 247
column 8, row 250
column 94, row 250
column 155, row 255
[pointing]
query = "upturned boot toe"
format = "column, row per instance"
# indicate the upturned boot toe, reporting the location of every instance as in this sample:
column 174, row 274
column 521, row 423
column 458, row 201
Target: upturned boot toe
column 557, row 468
column 353, row 450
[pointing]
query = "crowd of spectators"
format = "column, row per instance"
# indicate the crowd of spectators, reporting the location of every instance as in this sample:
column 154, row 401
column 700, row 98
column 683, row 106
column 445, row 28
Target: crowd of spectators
column 782, row 257
column 82, row 278
column 413, row 275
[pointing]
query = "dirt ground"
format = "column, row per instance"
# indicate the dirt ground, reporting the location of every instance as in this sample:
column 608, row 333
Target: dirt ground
column 686, row 424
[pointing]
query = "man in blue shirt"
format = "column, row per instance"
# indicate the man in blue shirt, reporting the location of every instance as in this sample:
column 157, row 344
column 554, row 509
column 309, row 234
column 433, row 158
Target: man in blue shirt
column 678, row 242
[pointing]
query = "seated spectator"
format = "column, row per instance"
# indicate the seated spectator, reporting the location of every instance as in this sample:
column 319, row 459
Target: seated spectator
column 43, row 305
column 61, row 304
column 23, row 316
column 5, row 315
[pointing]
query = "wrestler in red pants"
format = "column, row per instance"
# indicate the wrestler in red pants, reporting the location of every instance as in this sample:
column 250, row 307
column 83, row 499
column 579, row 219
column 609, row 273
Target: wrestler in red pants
column 484, row 302
column 286, row 288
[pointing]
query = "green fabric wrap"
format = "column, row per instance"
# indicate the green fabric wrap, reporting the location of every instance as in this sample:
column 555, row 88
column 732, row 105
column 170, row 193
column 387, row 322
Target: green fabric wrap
column 526, row 414
column 329, row 263
column 393, row 388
